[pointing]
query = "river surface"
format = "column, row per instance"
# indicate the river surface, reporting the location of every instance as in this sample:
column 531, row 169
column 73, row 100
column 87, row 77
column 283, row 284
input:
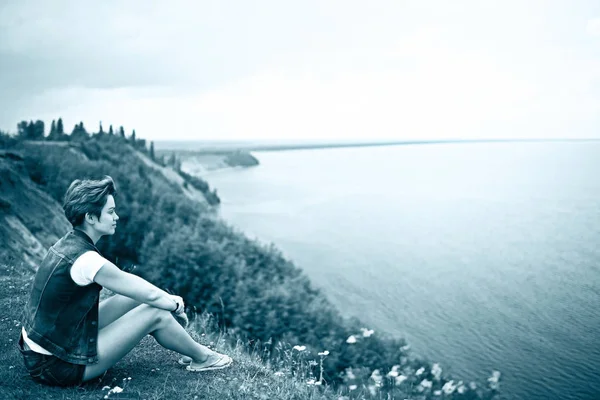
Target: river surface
column 484, row 256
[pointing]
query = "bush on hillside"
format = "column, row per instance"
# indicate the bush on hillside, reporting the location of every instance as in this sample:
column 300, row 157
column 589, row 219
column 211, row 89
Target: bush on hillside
column 7, row 140
column 211, row 196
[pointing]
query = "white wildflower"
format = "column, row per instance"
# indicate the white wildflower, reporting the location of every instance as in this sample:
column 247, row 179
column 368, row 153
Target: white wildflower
column 494, row 380
column 495, row 376
column 351, row 339
column 376, row 376
column 449, row 387
column 420, row 371
column 324, row 353
column 400, row 379
column 367, row 332
column 426, row 384
column 406, row 347
column 299, row 348
column 393, row 372
column 461, row 389
column 352, row 387
column 350, row 374
column 372, row 390
column 311, row 382
column 437, row 393
column 279, row 373
column 436, row 371
column 116, row 389
column 473, row 385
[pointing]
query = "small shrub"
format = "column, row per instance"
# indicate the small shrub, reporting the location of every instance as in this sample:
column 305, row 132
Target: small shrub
column 4, row 204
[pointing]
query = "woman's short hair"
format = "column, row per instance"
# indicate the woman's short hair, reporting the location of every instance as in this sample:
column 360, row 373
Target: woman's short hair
column 87, row 196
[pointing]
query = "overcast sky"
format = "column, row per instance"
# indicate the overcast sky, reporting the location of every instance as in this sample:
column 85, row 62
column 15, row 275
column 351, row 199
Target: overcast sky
column 324, row 69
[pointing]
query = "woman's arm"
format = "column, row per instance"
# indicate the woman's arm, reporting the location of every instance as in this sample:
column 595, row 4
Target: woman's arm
column 126, row 284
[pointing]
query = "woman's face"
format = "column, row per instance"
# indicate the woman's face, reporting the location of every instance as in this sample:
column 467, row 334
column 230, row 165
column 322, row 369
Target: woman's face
column 107, row 223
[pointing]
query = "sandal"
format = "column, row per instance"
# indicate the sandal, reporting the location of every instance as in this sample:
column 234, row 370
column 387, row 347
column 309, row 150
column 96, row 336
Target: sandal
column 222, row 361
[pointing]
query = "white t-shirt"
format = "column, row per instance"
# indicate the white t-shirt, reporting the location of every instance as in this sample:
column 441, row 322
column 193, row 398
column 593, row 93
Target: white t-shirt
column 85, row 267
column 83, row 272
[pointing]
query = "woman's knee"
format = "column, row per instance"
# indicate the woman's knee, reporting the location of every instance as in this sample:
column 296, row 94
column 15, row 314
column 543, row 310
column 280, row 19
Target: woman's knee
column 157, row 316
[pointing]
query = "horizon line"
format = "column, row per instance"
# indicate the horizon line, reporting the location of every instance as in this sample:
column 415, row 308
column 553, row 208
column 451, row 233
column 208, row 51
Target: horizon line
column 231, row 145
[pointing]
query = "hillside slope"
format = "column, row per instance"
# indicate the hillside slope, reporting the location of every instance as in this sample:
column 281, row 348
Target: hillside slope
column 174, row 177
column 30, row 220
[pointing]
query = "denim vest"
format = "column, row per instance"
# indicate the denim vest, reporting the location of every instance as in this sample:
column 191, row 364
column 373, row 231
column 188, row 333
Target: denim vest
column 62, row 316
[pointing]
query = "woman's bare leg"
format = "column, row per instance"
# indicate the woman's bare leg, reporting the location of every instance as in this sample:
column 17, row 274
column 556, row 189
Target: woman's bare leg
column 119, row 337
column 114, row 308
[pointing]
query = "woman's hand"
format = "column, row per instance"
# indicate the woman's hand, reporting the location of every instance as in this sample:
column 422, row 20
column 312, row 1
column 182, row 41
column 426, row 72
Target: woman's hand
column 179, row 313
column 180, row 304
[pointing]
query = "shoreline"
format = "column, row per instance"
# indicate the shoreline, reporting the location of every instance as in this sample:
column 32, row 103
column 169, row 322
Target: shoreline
column 202, row 158
column 227, row 147
column 200, row 164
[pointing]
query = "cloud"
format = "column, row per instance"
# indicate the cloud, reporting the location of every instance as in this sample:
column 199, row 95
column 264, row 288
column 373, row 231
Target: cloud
column 311, row 69
column 110, row 43
column 438, row 94
column 593, row 27
column 420, row 87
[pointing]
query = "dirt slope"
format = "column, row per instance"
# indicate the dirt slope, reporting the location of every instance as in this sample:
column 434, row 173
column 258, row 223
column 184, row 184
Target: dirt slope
column 30, row 220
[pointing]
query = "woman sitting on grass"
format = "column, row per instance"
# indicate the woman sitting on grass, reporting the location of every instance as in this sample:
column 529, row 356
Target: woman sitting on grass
column 68, row 335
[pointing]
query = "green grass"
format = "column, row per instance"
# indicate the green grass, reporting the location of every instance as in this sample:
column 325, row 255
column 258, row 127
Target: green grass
column 149, row 371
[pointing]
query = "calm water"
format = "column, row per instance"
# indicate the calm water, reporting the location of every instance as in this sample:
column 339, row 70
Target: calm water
column 483, row 256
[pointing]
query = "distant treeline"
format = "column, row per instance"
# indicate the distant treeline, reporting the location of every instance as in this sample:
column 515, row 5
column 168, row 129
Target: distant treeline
column 36, row 130
column 88, row 143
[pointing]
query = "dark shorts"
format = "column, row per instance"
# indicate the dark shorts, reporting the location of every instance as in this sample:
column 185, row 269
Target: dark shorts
column 50, row 370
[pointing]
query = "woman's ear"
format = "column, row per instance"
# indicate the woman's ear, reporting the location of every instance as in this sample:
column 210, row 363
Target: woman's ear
column 89, row 218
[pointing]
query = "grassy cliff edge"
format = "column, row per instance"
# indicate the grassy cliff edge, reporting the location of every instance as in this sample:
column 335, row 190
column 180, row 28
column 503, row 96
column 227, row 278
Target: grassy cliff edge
column 149, row 371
